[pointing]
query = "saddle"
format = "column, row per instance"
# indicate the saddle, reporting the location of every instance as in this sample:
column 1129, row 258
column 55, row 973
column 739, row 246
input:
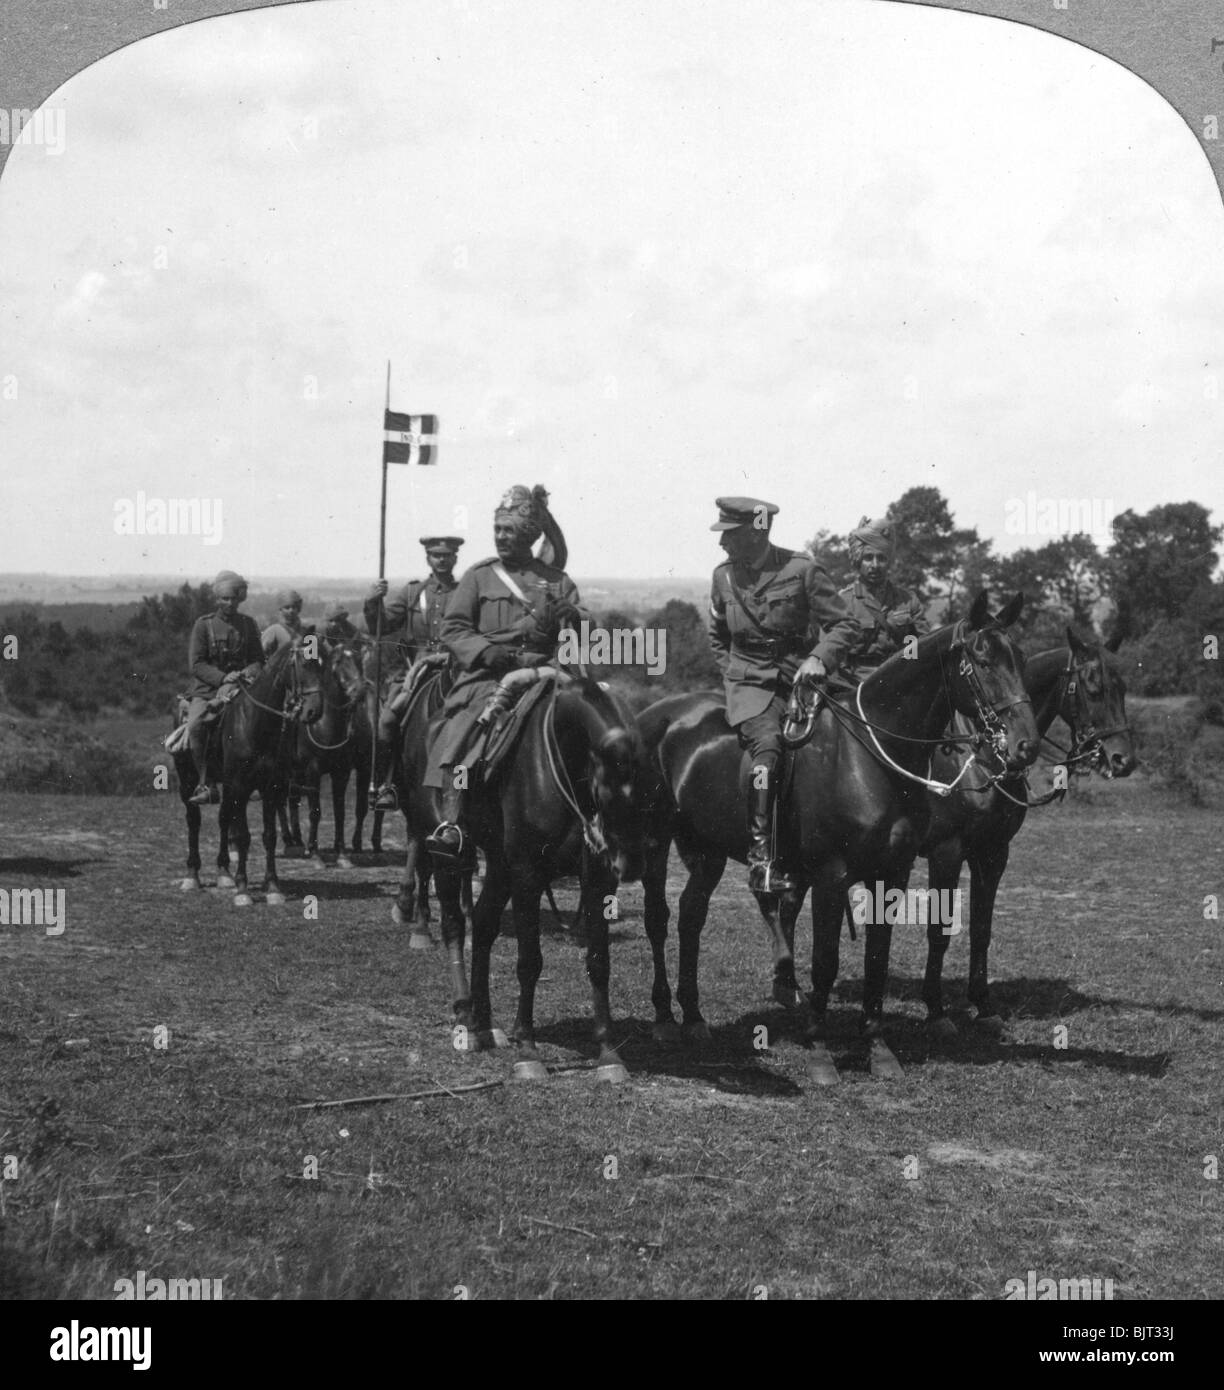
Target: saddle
column 176, row 740
column 504, row 731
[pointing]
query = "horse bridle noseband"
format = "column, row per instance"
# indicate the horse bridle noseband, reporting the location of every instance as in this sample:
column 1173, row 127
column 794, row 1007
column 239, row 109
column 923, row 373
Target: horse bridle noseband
column 297, row 693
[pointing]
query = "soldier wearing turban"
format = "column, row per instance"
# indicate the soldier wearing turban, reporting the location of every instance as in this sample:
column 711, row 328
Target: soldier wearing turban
column 224, row 648
column 337, row 626
column 886, row 613
column 289, row 627
column 505, row 615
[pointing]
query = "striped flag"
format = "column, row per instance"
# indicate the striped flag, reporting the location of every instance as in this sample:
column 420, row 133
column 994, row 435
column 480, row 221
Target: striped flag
column 410, row 438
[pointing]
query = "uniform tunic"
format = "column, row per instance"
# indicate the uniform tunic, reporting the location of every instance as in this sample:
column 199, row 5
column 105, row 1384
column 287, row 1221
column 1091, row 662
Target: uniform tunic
column 483, row 615
column 883, row 626
column 218, row 646
column 277, row 635
column 793, row 599
column 418, row 611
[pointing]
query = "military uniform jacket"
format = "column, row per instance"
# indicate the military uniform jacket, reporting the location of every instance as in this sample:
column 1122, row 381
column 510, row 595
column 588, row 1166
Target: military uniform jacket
column 418, row 611
column 483, row 614
column 277, row 635
column 219, row 646
column 881, row 638
column 793, row 599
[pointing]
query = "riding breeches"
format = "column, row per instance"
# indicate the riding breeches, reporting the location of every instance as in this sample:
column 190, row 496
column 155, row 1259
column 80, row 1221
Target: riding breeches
column 762, row 734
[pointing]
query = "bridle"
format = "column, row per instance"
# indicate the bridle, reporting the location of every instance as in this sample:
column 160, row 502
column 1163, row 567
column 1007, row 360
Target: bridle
column 342, row 708
column 991, row 734
column 297, row 692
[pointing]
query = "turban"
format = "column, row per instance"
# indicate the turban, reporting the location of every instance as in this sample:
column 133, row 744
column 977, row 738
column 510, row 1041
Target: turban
column 228, row 582
column 872, row 535
column 287, row 597
column 520, row 506
column 335, row 611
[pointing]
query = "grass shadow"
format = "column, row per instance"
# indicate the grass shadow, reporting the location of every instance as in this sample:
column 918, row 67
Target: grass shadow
column 37, row 867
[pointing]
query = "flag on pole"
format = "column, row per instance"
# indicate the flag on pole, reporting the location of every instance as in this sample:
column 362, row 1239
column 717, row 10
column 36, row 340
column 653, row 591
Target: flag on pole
column 410, row 438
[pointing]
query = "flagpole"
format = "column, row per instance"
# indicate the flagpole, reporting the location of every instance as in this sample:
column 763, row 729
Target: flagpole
column 382, row 574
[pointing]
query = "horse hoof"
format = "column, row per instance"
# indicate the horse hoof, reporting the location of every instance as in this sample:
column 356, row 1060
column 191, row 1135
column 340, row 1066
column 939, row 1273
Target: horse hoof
column 497, row 1038
column 884, row 1066
column 990, row 1023
column 190, row 885
column 667, row 1033
column 611, row 1073
column 420, row 941
column 942, row 1028
column 316, row 862
column 225, row 881
column 275, row 899
column 789, row 996
column 343, row 862
column 243, row 900
column 821, row 1069
column 397, row 915
column 697, row 1032
column 530, row 1071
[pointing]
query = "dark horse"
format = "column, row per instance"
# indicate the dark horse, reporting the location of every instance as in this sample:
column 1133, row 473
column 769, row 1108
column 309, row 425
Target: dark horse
column 569, row 797
column 978, row 822
column 256, row 737
column 412, row 901
column 328, row 748
column 858, row 809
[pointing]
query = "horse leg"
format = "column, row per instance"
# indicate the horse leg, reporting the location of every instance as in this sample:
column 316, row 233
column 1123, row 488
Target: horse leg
column 705, row 871
column 985, row 870
column 486, row 923
column 272, row 888
column 424, row 874
column 828, row 906
column 466, row 899
column 525, row 896
column 454, row 929
column 192, row 882
column 598, row 883
column 780, row 915
column 282, row 814
column 654, row 887
column 242, row 841
column 405, row 909
column 376, row 834
column 314, row 796
column 294, row 803
column 339, row 790
column 362, row 805
column 944, row 875
column 876, row 950
column 225, row 825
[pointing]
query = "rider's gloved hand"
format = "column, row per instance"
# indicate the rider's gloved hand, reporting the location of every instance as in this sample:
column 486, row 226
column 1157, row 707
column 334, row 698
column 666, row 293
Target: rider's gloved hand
column 230, row 677
column 898, row 618
column 568, row 616
column 249, row 673
column 498, row 660
column 378, row 589
column 813, row 669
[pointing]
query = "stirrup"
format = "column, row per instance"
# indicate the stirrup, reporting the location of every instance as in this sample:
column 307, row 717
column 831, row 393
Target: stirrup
column 386, row 798
column 206, row 794
column 460, row 855
column 765, row 876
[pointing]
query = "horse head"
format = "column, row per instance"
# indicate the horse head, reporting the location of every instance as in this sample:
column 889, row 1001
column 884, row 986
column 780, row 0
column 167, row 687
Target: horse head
column 986, row 681
column 1094, row 709
column 296, row 671
column 345, row 671
column 617, row 771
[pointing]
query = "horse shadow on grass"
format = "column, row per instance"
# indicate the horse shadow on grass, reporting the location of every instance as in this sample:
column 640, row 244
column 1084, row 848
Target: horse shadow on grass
column 726, row 1062
column 34, row 866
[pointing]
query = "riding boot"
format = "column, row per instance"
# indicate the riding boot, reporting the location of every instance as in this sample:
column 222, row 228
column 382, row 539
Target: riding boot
column 386, row 798
column 764, row 874
column 205, row 793
column 449, row 840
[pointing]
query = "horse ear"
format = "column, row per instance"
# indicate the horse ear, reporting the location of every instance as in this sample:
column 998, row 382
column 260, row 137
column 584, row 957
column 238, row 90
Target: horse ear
column 1008, row 614
column 979, row 613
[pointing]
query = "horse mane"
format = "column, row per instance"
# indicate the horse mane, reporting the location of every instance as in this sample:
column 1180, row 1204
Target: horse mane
column 611, row 707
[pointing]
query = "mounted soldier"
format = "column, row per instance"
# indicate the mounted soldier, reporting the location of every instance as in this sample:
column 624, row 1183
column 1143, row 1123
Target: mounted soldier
column 886, row 613
column 503, row 620
column 289, row 627
column 417, row 612
column 224, row 649
column 775, row 619
column 337, row 626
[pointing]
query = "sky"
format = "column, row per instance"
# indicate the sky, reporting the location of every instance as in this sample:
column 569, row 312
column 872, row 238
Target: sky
column 817, row 253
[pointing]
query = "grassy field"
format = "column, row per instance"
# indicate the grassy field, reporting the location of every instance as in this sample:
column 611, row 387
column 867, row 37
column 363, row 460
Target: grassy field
column 717, row 1172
